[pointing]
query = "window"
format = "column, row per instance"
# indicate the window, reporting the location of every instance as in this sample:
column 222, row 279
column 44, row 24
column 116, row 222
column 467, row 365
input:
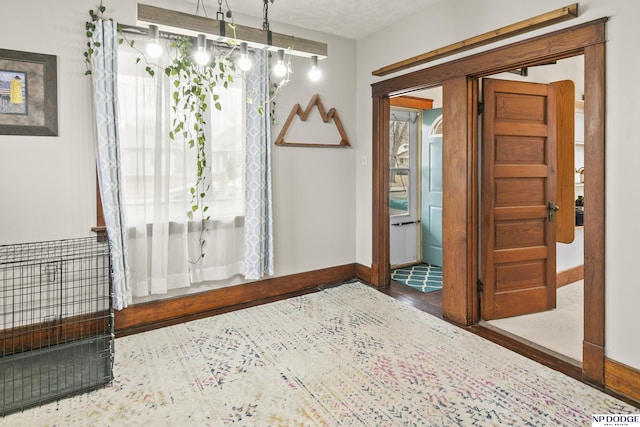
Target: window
column 402, row 147
column 159, row 170
column 165, row 249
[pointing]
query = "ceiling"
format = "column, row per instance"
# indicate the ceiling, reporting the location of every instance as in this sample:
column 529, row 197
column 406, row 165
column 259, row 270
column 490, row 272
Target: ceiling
column 353, row 19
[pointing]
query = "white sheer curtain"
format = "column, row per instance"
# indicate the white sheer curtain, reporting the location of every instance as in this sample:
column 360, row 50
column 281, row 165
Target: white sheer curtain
column 164, row 247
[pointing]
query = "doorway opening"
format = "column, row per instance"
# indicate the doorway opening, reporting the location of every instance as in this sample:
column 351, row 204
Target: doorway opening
column 461, row 224
column 557, row 328
column 415, row 190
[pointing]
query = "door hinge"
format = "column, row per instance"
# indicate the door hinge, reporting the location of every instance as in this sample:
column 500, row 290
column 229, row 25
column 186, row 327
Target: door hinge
column 480, row 286
column 480, row 107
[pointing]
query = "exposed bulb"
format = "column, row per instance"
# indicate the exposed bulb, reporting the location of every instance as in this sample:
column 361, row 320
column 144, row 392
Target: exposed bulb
column 153, row 47
column 314, row 74
column 244, row 62
column 280, row 69
column 201, row 56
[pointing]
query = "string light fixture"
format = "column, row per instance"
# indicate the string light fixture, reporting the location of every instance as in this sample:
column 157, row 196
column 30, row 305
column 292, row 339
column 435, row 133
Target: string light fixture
column 314, row 73
column 244, row 62
column 280, row 69
column 221, row 31
column 154, row 50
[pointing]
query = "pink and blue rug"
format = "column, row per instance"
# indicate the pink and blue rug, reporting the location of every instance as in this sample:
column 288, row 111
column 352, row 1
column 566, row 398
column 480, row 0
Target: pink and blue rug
column 345, row 356
column 422, row 277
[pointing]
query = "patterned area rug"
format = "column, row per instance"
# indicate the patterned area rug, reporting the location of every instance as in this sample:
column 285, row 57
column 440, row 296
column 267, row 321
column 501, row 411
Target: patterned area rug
column 423, row 277
column 345, row 356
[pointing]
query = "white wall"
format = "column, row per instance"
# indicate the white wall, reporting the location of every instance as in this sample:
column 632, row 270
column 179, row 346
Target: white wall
column 450, row 21
column 47, row 184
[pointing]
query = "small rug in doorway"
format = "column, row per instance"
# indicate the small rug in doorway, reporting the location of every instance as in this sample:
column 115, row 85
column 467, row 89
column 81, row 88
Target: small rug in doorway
column 422, row 277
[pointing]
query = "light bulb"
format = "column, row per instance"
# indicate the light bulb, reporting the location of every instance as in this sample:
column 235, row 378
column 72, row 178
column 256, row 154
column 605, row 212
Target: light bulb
column 280, row 68
column 201, row 56
column 153, row 48
column 244, row 62
column 314, row 74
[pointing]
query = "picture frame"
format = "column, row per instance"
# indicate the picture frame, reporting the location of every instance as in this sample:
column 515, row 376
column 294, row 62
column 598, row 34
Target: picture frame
column 28, row 93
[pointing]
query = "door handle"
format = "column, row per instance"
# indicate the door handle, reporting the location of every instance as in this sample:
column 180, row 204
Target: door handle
column 553, row 208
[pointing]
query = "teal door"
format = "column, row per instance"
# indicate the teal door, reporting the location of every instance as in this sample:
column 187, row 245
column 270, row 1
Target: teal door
column 431, row 220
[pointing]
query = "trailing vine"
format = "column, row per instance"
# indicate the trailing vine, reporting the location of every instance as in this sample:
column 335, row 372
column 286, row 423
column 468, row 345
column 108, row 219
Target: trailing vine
column 194, row 87
column 90, row 27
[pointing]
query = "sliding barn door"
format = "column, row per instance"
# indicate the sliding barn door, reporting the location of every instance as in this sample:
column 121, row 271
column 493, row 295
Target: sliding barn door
column 518, row 199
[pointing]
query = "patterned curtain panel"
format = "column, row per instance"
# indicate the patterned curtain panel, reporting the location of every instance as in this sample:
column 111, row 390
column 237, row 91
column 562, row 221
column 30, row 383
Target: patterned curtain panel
column 258, row 234
column 104, row 70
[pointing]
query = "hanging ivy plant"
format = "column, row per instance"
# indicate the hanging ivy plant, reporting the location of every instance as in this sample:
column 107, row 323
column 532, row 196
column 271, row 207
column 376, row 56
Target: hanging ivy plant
column 194, row 90
column 194, row 87
column 90, row 27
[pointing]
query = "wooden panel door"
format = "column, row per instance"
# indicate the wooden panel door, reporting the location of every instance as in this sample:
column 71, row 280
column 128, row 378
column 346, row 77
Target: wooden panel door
column 518, row 186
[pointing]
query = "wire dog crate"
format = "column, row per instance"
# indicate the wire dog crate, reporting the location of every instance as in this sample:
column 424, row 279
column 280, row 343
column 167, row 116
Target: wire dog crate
column 56, row 321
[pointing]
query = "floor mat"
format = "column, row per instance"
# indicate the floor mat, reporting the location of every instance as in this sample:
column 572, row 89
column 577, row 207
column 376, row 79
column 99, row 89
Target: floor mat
column 345, row 356
column 422, row 277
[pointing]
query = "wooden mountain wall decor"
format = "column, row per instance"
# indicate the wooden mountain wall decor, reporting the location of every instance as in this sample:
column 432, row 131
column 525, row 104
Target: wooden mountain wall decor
column 326, row 117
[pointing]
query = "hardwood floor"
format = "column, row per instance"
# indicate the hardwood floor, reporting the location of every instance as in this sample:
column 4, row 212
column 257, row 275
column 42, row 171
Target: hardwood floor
column 430, row 302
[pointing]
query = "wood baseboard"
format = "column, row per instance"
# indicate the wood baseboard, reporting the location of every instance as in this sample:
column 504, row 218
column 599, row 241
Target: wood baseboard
column 593, row 363
column 570, row 275
column 622, row 380
column 156, row 314
column 363, row 273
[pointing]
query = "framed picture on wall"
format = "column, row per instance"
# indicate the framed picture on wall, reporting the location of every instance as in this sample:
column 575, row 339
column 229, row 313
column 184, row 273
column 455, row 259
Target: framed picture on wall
column 28, row 94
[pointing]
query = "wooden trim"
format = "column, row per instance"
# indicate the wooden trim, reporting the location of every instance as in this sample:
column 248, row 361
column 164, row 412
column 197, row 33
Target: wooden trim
column 570, row 275
column 540, row 21
column 473, row 203
column 380, row 267
column 622, row 379
column 54, row 332
column 594, row 229
column 412, row 102
column 537, row 50
column 588, row 39
column 363, row 273
column 559, row 364
column 100, row 229
column 459, row 160
column 156, row 314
